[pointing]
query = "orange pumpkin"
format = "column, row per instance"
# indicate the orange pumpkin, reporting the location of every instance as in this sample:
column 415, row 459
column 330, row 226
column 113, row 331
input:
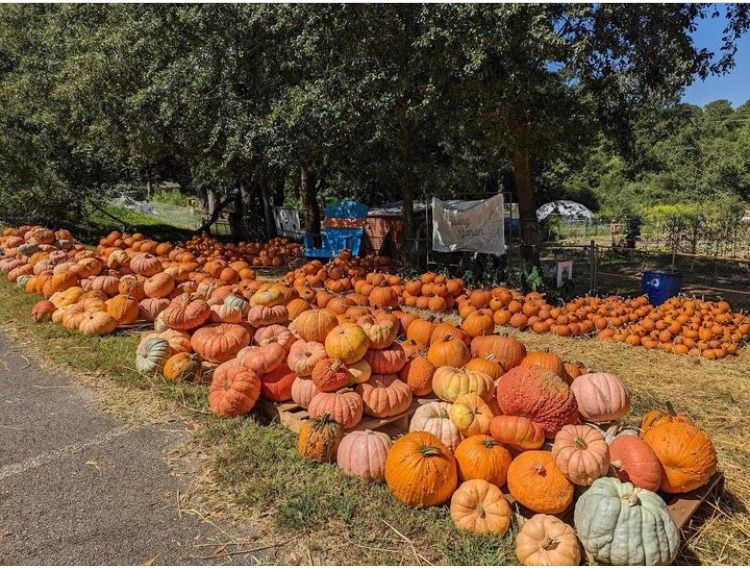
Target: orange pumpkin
column 538, row 484
column 483, row 457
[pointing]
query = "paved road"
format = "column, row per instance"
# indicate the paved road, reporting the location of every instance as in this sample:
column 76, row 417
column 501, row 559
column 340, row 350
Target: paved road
column 78, row 486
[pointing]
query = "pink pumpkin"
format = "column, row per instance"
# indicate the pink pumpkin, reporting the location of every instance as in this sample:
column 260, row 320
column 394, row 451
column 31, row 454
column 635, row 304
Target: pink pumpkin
column 601, row 397
column 581, row 453
column 303, row 391
column 363, row 453
column 303, row 356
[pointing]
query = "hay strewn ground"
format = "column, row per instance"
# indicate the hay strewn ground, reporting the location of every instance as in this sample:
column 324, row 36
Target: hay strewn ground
column 314, row 514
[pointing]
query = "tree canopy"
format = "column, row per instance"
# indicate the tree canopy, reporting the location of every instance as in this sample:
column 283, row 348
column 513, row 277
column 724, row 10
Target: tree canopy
column 259, row 104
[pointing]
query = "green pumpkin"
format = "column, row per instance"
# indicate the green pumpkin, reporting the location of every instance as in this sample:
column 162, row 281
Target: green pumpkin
column 237, row 302
column 27, row 249
column 151, row 355
column 21, row 281
column 618, row 523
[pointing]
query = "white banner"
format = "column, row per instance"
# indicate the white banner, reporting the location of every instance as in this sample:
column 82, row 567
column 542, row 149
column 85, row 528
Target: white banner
column 287, row 222
column 469, row 225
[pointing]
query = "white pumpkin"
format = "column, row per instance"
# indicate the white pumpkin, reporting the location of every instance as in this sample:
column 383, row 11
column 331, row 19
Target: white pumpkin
column 434, row 417
column 619, row 524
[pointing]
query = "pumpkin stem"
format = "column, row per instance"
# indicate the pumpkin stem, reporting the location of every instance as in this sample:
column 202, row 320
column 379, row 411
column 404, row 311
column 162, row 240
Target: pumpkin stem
column 491, row 443
column 548, row 543
column 429, row 451
column 632, row 499
column 481, row 512
column 539, row 468
column 581, row 443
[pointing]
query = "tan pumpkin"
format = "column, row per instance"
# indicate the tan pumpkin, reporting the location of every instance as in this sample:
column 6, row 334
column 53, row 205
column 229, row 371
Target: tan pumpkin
column 450, row 382
column 385, row 396
column 581, row 453
column 480, row 507
column 545, row 540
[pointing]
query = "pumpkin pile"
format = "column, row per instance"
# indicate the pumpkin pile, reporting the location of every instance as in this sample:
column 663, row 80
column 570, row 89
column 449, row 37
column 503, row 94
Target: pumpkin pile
column 275, row 253
column 339, row 275
column 687, row 326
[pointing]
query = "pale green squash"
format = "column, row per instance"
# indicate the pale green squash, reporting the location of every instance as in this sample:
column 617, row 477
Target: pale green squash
column 618, row 523
column 151, row 355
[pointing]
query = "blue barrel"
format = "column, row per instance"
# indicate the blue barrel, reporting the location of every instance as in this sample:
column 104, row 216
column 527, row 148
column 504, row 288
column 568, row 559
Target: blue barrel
column 660, row 285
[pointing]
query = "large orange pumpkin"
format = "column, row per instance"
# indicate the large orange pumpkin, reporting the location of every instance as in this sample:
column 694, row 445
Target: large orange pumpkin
column 234, row 390
column 220, row 342
column 483, row 457
column 538, row 484
column 420, row 471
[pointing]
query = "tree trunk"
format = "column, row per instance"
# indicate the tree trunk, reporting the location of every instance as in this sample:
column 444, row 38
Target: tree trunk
column 267, row 208
column 215, row 212
column 530, row 234
column 309, row 201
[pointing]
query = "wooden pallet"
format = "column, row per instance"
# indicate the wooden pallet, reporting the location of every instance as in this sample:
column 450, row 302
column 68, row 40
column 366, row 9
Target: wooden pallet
column 292, row 416
column 682, row 507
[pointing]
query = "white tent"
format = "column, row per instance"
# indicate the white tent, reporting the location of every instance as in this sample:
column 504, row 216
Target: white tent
column 568, row 210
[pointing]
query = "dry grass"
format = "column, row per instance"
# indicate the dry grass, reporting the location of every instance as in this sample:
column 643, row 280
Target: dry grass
column 249, row 473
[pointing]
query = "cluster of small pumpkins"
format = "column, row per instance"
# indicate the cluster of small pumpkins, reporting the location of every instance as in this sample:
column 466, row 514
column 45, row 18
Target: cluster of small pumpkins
column 275, row 253
column 687, row 326
column 339, row 275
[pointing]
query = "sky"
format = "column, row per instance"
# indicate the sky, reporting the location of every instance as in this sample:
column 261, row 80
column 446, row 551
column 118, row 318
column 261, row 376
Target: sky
column 734, row 86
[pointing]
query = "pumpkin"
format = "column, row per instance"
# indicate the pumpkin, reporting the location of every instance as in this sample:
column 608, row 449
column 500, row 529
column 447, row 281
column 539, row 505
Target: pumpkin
column 123, row 309
column 601, row 397
column 223, row 313
column 314, row 325
column 434, row 417
column 345, row 407
column 486, row 365
column 418, row 373
column 319, row 439
column 234, row 390
column 303, row 391
column 386, row 361
column 97, row 323
column 581, row 453
column 420, row 331
column 471, row 414
column 186, row 312
column 508, row 352
column 380, row 331
column 686, row 453
column 383, row 297
column 656, row 417
column 449, row 383
column 618, row 523
column 538, row 394
column 385, row 396
column 219, row 342
column 448, row 352
column 303, row 355
column 151, row 355
column 538, row 484
column 262, row 360
column 478, row 506
column 42, row 311
column 159, row 285
column 517, row 432
column 297, row 307
column 149, row 308
column 363, row 454
column 266, row 315
column 546, row 360
column 330, row 375
column 179, row 341
column 276, row 386
column 183, row 367
column 274, row 334
column 545, row 540
column 634, row 461
column 347, row 342
column 360, row 372
column 145, row 264
column 420, row 471
column 479, row 323
column 271, row 296
column 483, row 457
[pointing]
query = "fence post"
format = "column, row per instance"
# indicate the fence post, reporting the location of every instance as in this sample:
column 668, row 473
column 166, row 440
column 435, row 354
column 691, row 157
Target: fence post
column 592, row 283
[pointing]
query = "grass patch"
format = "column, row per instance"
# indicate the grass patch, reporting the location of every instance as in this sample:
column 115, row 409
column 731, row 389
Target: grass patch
column 254, row 476
column 159, row 227
column 170, row 198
